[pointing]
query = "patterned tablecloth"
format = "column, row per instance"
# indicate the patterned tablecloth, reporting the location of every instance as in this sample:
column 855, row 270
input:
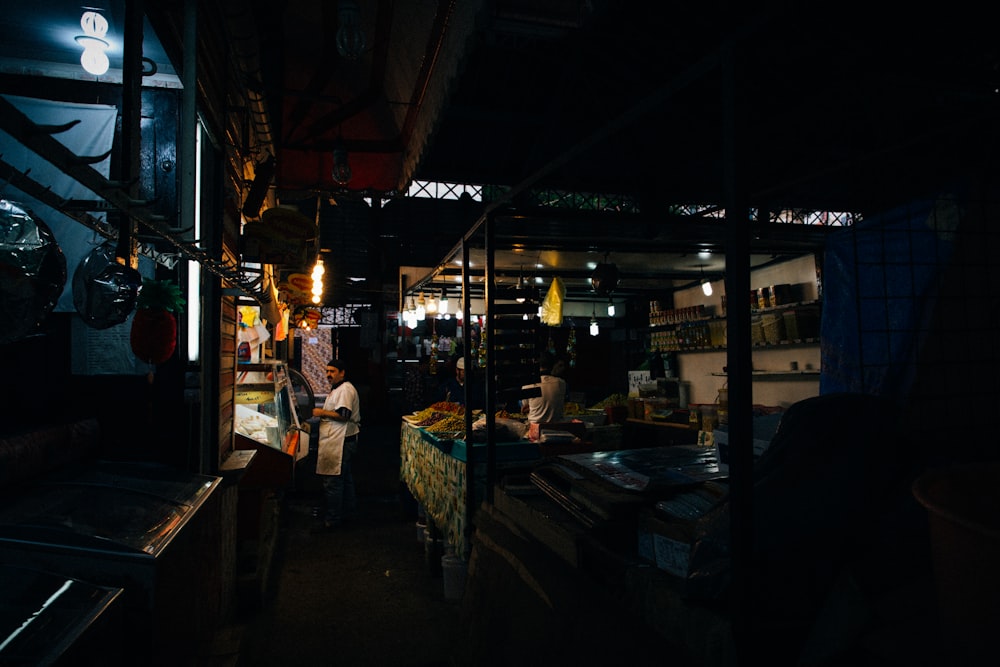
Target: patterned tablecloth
column 437, row 479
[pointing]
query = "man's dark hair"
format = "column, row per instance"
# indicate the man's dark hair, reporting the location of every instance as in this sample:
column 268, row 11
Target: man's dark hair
column 338, row 364
column 545, row 361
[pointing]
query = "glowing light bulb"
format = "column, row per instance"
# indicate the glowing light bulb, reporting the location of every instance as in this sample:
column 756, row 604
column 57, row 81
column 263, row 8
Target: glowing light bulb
column 421, row 309
column 94, row 58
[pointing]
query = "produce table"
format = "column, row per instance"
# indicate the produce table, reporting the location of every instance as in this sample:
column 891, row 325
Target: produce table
column 434, row 470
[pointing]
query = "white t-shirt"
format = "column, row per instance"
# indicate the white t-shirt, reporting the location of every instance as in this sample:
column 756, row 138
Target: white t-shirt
column 549, row 406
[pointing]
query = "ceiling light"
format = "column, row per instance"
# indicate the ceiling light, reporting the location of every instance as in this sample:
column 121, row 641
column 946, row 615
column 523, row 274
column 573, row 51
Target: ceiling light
column 431, row 307
column 520, row 289
column 443, row 303
column 350, row 37
column 611, row 308
column 706, row 286
column 421, row 307
column 341, row 165
column 594, row 330
column 94, row 57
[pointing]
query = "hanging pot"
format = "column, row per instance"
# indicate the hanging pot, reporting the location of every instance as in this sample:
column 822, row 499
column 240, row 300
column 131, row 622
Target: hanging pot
column 32, row 272
column 104, row 291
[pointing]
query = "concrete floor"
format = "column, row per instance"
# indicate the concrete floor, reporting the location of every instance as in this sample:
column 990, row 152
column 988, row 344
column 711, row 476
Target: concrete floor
column 370, row 595
column 365, row 595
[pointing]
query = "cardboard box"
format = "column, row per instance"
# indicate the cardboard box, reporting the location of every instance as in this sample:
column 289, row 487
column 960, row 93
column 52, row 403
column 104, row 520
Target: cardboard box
column 667, row 534
column 664, row 544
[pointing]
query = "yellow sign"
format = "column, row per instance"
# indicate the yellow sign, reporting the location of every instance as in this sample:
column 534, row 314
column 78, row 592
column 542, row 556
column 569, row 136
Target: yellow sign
column 254, row 396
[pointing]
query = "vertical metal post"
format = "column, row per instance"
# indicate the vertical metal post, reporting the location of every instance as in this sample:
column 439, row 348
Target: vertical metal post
column 739, row 364
column 470, row 468
column 491, row 389
column 127, row 248
column 207, row 456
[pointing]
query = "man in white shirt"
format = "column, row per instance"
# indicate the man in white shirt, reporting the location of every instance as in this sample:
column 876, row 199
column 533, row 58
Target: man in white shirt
column 340, row 419
column 550, row 405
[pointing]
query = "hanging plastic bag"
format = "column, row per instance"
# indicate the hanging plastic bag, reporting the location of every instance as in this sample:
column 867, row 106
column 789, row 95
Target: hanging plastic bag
column 32, row 272
column 552, row 305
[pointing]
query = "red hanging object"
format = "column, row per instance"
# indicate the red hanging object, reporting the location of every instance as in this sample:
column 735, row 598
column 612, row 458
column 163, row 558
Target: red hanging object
column 154, row 327
column 153, row 335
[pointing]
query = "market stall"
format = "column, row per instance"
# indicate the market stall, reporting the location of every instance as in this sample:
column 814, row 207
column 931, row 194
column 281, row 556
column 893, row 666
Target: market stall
column 434, row 469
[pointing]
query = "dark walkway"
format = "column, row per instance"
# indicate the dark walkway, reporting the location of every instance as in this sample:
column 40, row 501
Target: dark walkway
column 362, row 596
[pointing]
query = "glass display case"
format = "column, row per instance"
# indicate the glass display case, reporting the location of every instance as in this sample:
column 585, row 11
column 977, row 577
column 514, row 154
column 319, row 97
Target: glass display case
column 266, row 412
column 138, row 526
column 51, row 619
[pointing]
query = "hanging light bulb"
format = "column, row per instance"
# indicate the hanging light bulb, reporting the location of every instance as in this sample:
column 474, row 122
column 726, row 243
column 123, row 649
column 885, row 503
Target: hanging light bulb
column 520, row 288
column 410, row 314
column 594, row 330
column 341, row 165
column 706, row 286
column 317, row 280
column 431, row 307
column 611, row 308
column 421, row 308
column 94, row 58
column 350, row 37
column 443, row 303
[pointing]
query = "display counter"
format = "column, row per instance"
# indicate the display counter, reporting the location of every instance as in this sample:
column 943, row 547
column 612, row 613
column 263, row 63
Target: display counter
column 650, row 433
column 266, row 415
column 139, row 526
column 569, row 548
column 434, row 470
column 51, row 619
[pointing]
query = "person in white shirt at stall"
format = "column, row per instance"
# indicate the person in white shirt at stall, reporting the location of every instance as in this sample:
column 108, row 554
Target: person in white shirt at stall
column 339, row 427
column 550, row 405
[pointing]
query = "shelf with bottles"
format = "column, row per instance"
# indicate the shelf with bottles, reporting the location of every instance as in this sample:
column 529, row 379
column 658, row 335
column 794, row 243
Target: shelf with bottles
column 672, row 318
column 777, row 326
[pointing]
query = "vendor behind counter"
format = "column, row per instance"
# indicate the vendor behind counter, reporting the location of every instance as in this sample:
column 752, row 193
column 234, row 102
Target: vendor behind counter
column 550, row 405
column 452, row 387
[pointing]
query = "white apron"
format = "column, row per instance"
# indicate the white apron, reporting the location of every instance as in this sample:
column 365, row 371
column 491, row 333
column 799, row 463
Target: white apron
column 330, row 451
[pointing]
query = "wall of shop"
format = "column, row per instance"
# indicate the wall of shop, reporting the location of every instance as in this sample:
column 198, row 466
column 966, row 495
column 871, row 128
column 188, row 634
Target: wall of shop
column 705, row 370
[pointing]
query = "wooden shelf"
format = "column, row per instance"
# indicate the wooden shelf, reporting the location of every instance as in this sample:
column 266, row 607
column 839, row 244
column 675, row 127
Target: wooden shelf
column 652, row 422
column 779, row 375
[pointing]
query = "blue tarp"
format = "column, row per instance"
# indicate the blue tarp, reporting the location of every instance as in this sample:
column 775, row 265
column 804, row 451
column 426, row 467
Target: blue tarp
column 880, row 283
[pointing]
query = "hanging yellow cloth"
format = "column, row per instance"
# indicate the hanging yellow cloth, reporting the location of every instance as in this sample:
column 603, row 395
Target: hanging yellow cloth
column 552, row 306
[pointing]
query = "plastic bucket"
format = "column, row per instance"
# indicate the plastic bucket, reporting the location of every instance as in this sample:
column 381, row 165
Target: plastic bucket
column 453, row 571
column 963, row 510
